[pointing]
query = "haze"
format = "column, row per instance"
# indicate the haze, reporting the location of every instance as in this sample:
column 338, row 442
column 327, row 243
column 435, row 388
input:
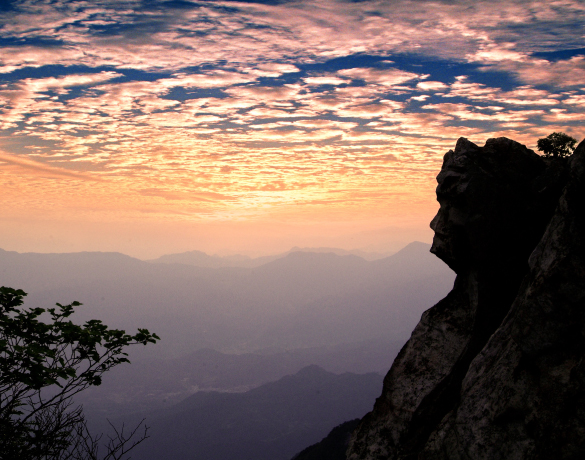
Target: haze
column 253, row 181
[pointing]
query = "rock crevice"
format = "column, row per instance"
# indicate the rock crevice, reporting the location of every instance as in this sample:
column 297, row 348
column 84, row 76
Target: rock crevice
column 490, row 368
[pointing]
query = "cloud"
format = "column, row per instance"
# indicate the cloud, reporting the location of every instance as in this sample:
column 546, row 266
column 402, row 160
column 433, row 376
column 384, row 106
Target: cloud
column 561, row 115
column 522, row 95
column 328, row 93
column 22, row 98
column 132, row 36
column 31, row 87
column 186, row 196
column 369, row 110
column 575, row 99
column 467, row 112
column 324, row 80
column 431, row 86
column 265, row 112
column 319, row 123
column 274, row 69
column 258, row 94
column 14, row 58
column 43, row 169
column 491, row 53
column 562, row 74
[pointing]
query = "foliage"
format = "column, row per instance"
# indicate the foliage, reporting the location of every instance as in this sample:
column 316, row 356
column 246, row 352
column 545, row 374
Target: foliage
column 42, row 366
column 557, row 145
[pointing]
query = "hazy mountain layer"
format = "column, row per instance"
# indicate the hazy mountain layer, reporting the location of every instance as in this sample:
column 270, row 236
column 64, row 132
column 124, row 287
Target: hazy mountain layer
column 305, row 308
column 201, row 259
column 158, row 383
column 301, row 300
column 271, row 422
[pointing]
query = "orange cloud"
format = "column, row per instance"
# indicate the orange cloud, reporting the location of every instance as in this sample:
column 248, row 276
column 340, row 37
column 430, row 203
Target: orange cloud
column 42, row 169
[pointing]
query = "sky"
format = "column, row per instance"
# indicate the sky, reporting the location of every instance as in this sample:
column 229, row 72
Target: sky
column 152, row 127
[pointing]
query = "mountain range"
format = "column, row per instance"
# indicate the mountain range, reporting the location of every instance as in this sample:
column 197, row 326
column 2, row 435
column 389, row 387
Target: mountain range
column 149, row 384
column 239, row 331
column 201, row 259
column 301, row 300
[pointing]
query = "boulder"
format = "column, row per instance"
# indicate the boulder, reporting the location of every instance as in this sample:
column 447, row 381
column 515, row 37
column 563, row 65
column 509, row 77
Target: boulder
column 495, row 369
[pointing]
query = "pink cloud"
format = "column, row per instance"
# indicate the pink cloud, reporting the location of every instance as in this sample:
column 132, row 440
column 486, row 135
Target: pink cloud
column 564, row 73
column 325, row 80
column 431, row 86
column 138, row 135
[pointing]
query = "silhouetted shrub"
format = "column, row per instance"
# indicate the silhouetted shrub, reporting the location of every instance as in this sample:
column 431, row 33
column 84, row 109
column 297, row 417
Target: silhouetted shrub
column 557, row 145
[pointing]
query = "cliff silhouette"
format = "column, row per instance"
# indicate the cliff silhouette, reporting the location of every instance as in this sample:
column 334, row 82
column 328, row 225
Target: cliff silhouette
column 496, row 369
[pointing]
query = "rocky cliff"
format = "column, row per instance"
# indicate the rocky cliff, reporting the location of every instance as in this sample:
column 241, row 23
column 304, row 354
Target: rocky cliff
column 495, row 370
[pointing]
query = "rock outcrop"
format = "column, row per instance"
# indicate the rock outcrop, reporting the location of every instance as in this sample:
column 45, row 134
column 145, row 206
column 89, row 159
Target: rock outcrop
column 496, row 370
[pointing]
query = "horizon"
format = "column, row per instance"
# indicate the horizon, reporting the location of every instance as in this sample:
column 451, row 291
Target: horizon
column 320, row 249
column 151, row 128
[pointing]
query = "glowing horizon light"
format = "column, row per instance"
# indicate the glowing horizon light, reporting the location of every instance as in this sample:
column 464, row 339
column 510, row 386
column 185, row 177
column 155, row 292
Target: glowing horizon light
column 327, row 119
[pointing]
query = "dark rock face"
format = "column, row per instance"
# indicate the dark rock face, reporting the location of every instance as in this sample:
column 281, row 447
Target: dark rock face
column 496, row 369
column 333, row 446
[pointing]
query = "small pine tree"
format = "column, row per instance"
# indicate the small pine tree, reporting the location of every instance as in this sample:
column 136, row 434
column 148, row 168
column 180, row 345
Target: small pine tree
column 557, row 145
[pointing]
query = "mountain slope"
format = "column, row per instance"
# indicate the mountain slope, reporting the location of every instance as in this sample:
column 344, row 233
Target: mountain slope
column 271, row 422
column 333, row 446
column 156, row 383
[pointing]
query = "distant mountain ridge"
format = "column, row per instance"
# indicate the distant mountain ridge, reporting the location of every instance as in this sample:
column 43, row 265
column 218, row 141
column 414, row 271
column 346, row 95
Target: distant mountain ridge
column 154, row 383
column 201, row 259
column 305, row 300
column 301, row 300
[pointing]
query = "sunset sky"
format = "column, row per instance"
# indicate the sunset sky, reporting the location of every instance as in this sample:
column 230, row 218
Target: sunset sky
column 151, row 127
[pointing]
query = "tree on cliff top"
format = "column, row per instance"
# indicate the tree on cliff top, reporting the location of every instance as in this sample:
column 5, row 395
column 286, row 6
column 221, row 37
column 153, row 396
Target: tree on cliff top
column 42, row 366
column 557, row 145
